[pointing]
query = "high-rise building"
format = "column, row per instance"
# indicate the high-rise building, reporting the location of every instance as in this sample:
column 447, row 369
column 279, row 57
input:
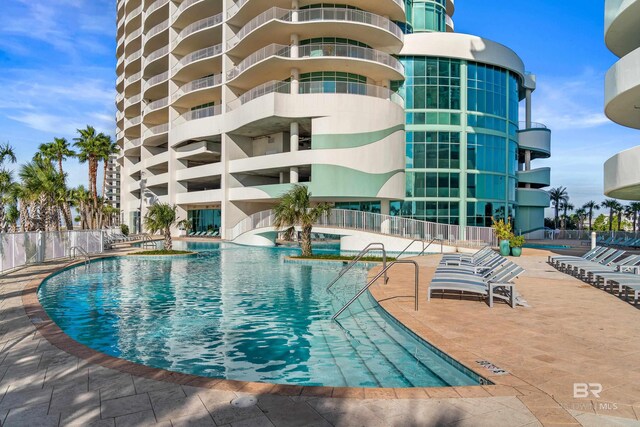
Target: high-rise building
column 622, row 94
column 112, row 193
column 469, row 158
column 223, row 104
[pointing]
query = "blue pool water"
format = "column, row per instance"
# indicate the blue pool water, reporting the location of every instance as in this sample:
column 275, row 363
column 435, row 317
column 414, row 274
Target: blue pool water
column 544, row 246
column 244, row 314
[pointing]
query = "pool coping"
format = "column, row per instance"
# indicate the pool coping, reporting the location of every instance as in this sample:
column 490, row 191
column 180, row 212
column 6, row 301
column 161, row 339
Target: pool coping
column 58, row 338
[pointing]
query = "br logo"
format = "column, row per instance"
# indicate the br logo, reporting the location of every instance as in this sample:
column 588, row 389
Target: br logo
column 583, row 390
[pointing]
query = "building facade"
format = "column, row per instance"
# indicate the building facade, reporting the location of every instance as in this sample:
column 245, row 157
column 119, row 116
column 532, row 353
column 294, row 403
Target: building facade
column 112, row 193
column 223, row 104
column 622, row 94
column 468, row 157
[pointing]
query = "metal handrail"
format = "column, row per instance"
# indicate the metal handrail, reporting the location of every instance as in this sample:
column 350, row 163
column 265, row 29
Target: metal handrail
column 424, row 248
column 370, row 247
column 83, row 252
column 372, row 281
column 147, row 241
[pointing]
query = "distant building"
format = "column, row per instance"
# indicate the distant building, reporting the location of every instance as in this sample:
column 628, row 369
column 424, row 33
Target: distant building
column 622, row 94
column 112, row 192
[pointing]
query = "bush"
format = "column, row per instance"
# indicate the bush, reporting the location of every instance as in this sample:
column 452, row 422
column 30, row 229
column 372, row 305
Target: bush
column 502, row 229
column 516, row 241
column 124, row 229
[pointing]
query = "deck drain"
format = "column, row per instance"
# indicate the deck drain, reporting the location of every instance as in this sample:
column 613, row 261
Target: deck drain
column 244, row 401
column 491, row 367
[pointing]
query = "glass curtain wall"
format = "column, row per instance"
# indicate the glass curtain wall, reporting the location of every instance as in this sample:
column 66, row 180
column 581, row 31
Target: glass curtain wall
column 205, row 219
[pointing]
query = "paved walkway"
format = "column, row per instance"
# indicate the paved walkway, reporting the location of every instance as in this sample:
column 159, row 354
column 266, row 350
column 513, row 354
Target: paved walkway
column 41, row 384
column 572, row 333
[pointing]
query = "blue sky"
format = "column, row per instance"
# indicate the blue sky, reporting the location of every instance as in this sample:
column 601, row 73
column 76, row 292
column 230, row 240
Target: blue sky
column 58, row 73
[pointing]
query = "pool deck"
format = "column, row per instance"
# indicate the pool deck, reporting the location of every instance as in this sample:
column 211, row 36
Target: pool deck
column 572, row 333
column 46, row 378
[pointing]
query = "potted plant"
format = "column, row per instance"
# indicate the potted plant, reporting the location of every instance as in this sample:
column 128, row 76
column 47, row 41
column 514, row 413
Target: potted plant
column 516, row 243
column 503, row 233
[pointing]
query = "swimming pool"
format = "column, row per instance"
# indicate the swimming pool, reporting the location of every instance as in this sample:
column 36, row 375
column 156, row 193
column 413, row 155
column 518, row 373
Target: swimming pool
column 245, row 314
column 544, row 246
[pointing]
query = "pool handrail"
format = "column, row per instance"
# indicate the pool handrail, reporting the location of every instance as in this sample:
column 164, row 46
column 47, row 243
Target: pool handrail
column 377, row 276
column 370, row 247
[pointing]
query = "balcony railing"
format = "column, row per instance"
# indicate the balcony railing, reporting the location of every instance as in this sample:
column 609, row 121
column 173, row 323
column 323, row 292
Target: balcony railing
column 533, row 125
column 156, row 54
column 315, row 15
column 185, row 4
column 316, row 50
column 133, row 35
column 133, row 57
column 200, row 113
column 135, row 12
column 324, row 87
column 207, row 52
column 155, row 6
column 132, row 100
column 134, row 77
column 156, row 30
column 156, row 130
column 202, row 24
column 159, row 78
column 155, row 105
column 203, row 83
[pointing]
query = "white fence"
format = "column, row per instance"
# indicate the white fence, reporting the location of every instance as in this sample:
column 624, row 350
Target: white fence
column 20, row 249
column 382, row 224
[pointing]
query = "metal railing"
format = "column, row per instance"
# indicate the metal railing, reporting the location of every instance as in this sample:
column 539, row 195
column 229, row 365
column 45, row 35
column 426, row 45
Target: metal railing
column 532, row 125
column 315, row 15
column 156, row 54
column 369, row 248
column 377, row 223
column 18, row 250
column 376, row 277
column 207, row 52
column 199, row 84
column 311, row 88
column 202, row 24
column 200, row 113
column 73, row 252
column 424, row 248
column 156, row 30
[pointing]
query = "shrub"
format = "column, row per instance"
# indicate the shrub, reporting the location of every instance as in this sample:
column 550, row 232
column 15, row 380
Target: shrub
column 124, row 229
column 516, row 241
column 502, row 229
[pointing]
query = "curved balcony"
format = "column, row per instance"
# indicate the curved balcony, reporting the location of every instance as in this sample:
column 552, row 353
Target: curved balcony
column 313, row 88
column 156, row 111
column 532, row 197
column 622, row 20
column 120, row 83
column 622, row 175
column 132, row 146
column 315, row 57
column 191, row 10
column 200, row 31
column 119, row 99
column 536, row 178
column 198, row 91
column 133, row 101
column 157, row 37
column 134, row 78
column 134, row 35
column 537, row 140
column 152, row 87
column 201, row 113
column 451, row 7
column 156, row 61
column 275, row 25
column 156, row 12
column 449, row 24
column 133, row 18
column 243, row 10
column 198, row 63
column 120, row 46
column 622, row 91
column 120, row 65
column 132, row 62
column 156, row 135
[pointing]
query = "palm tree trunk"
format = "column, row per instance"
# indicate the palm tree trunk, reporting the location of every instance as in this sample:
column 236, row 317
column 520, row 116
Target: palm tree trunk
column 24, row 214
column 66, row 213
column 611, row 220
column 44, row 213
column 104, row 188
column 590, row 218
column 619, row 221
column 168, row 243
column 31, row 222
column 306, row 241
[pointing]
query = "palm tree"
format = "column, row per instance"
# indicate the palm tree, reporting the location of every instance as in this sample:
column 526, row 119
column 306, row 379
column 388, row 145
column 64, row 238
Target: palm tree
column 590, row 206
column 81, row 199
column 59, row 150
column 581, row 213
column 558, row 196
column 6, row 182
column 635, row 209
column 566, row 206
column 107, row 149
column 613, row 206
column 44, row 183
column 7, row 153
column 89, row 144
column 620, row 211
column 160, row 217
column 294, row 209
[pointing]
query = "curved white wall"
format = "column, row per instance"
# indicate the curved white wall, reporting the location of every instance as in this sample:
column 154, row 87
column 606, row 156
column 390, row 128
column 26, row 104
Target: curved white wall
column 622, row 175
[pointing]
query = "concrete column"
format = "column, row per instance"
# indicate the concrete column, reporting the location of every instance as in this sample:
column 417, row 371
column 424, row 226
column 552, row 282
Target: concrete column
column 385, row 207
column 295, row 81
column 527, row 160
column 528, row 109
column 294, row 9
column 281, row 177
column 294, row 143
